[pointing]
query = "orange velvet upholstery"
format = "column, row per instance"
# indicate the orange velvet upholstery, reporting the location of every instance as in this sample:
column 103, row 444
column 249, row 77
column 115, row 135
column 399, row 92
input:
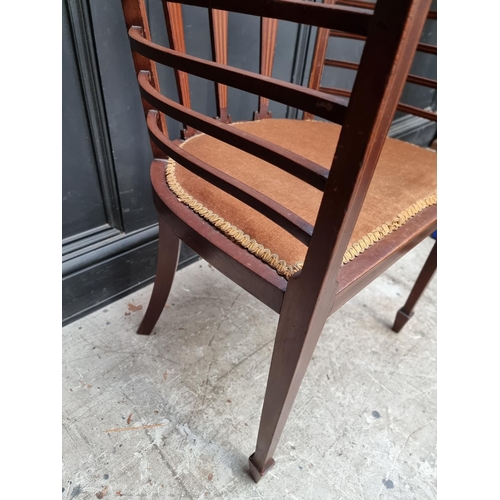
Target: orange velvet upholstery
column 404, row 175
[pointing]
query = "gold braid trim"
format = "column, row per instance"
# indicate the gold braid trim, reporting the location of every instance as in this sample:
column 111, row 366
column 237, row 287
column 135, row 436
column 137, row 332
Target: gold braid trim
column 380, row 232
column 237, row 235
column 273, row 260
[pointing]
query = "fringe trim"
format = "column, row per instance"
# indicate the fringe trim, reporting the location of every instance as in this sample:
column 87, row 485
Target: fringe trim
column 273, row 260
column 385, row 229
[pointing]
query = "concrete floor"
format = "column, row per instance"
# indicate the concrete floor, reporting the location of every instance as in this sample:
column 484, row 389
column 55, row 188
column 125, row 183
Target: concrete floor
column 175, row 415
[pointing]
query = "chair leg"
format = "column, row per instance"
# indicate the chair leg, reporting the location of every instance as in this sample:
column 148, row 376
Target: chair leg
column 295, row 341
column 168, row 257
column 406, row 312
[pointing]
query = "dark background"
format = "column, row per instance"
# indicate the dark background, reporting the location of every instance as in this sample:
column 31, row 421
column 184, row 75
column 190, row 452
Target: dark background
column 109, row 225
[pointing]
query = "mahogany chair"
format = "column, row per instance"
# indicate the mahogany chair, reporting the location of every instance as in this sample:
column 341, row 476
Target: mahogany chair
column 302, row 214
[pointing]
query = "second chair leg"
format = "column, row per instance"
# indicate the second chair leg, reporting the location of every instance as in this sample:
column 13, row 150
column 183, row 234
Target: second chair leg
column 295, row 341
column 406, row 312
column 168, row 257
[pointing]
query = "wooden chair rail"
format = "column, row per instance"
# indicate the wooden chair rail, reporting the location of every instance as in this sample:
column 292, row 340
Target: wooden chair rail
column 290, row 162
column 356, row 275
column 289, row 221
column 421, row 47
column 360, row 4
column 405, row 108
column 418, row 80
column 413, row 110
column 287, row 93
column 335, row 91
column 296, row 11
column 426, row 48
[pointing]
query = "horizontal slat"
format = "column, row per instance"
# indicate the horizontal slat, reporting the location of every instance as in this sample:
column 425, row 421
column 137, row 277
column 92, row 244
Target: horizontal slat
column 287, row 93
column 421, row 47
column 300, row 167
column 418, row 80
column 405, row 108
column 343, row 34
column 289, row 221
column 360, row 4
column 341, row 64
column 296, row 11
column 413, row 110
column 334, row 91
column 428, row 49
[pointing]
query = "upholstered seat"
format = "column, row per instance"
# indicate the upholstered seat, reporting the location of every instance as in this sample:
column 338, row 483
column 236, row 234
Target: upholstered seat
column 404, row 183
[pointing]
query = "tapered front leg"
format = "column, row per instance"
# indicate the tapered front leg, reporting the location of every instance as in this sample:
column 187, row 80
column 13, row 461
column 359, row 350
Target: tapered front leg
column 296, row 339
column 168, row 257
column 406, row 312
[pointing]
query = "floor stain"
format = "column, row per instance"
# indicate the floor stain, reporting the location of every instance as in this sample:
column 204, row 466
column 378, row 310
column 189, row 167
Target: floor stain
column 102, row 493
column 133, row 307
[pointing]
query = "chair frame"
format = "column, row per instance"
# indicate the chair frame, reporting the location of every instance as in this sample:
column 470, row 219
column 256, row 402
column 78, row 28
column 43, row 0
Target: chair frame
column 309, row 297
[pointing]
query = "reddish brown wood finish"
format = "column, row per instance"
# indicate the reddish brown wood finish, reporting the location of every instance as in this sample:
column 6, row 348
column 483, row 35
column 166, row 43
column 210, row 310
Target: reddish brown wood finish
column 413, row 110
column 218, row 35
column 300, row 167
column 175, row 31
column 268, row 32
column 168, row 257
column 296, row 11
column 377, row 259
column 418, row 80
column 320, row 47
column 360, row 4
column 405, row 108
column 421, row 47
column 406, row 312
column 320, row 61
column 322, row 105
column 323, row 285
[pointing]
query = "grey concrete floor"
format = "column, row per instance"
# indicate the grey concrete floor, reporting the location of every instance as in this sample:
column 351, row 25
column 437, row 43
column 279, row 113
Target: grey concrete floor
column 175, row 415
